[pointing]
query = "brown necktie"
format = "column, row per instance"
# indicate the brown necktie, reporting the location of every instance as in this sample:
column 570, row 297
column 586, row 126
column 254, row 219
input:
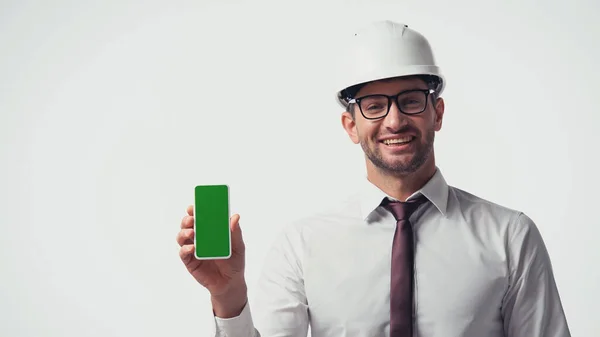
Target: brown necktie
column 401, row 292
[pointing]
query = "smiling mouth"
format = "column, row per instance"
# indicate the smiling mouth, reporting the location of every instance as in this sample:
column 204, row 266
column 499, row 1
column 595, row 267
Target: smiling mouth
column 398, row 141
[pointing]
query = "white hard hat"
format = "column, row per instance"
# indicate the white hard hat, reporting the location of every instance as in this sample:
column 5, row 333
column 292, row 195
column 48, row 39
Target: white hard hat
column 385, row 49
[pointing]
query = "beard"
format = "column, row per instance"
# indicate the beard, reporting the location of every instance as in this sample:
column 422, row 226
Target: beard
column 421, row 154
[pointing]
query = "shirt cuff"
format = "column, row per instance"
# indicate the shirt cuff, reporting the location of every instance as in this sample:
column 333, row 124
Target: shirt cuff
column 239, row 326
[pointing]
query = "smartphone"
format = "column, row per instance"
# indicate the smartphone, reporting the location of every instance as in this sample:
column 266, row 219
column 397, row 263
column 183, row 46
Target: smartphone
column 212, row 235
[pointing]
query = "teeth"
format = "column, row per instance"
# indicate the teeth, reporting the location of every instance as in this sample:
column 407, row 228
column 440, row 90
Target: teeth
column 397, row 140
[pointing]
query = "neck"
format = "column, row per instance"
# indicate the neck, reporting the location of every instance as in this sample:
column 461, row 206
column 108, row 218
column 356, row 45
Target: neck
column 401, row 185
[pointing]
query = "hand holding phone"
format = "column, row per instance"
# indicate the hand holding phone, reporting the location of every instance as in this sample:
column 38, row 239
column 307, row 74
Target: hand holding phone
column 213, row 250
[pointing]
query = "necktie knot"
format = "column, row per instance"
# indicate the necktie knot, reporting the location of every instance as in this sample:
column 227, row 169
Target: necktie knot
column 403, row 209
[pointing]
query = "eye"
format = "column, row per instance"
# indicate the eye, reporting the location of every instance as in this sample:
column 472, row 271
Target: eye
column 375, row 106
column 413, row 99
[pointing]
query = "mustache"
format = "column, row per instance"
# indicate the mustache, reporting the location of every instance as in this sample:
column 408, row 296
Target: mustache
column 404, row 129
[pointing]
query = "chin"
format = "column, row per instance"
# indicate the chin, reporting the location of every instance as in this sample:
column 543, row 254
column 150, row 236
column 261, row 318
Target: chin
column 404, row 159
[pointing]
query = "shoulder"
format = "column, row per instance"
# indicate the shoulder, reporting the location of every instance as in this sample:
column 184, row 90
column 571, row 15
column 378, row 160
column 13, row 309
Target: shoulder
column 511, row 223
column 519, row 229
column 471, row 205
column 468, row 199
column 344, row 210
column 324, row 221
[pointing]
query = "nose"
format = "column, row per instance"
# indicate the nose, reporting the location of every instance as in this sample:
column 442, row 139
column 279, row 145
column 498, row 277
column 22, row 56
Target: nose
column 395, row 119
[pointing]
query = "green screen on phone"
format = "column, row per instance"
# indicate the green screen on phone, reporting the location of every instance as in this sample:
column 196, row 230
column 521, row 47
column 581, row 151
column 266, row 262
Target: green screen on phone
column 212, row 236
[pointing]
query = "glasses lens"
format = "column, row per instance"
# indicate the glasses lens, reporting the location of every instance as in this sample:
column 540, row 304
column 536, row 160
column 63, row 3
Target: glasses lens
column 374, row 106
column 412, row 102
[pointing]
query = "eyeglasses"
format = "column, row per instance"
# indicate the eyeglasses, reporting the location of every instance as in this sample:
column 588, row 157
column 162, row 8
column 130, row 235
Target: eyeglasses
column 409, row 102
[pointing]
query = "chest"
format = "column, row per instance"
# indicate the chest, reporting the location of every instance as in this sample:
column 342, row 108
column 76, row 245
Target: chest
column 459, row 281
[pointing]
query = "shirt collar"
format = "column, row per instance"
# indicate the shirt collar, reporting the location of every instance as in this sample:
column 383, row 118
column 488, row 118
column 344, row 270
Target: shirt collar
column 435, row 190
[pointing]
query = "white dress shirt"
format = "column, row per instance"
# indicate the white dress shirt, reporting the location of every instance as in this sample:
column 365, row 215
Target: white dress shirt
column 481, row 270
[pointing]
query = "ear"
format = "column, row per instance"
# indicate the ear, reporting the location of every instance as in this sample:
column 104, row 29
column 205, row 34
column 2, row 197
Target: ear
column 349, row 125
column 439, row 113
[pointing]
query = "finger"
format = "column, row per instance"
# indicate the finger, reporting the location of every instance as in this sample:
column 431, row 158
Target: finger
column 187, row 222
column 185, row 237
column 186, row 253
column 234, row 221
column 190, row 210
column 236, row 233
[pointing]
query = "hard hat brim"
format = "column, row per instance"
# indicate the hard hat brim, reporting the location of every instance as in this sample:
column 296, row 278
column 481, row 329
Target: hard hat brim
column 399, row 72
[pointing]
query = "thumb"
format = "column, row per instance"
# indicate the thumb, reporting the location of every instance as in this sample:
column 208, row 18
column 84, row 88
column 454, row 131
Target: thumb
column 237, row 241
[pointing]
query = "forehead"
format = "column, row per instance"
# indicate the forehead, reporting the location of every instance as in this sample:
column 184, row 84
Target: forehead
column 391, row 86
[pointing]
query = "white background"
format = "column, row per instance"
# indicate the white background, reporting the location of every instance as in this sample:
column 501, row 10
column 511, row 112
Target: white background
column 110, row 114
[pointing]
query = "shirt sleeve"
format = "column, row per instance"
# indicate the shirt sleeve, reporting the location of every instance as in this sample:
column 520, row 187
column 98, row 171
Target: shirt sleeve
column 532, row 306
column 279, row 307
column 240, row 326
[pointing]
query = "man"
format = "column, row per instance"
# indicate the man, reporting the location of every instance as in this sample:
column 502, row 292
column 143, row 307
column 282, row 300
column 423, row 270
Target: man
column 408, row 255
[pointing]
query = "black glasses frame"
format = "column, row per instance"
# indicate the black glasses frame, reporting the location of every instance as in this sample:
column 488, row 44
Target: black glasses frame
column 427, row 92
